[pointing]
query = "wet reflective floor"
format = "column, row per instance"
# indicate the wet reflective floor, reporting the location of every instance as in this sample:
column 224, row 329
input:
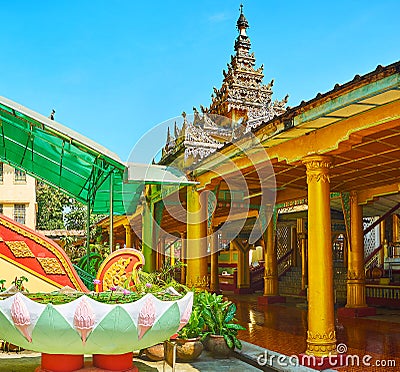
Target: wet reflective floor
column 282, row 328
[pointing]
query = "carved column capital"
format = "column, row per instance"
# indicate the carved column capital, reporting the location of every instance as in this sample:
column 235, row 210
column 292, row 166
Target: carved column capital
column 354, row 197
column 318, row 168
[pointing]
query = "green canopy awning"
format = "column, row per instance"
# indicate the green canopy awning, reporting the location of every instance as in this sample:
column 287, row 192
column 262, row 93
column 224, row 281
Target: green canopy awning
column 73, row 163
column 129, row 188
column 54, row 153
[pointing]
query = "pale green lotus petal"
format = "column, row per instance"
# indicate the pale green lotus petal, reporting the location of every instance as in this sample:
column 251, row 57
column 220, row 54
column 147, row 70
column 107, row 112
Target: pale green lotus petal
column 9, row 332
column 113, row 334
column 163, row 328
column 52, row 331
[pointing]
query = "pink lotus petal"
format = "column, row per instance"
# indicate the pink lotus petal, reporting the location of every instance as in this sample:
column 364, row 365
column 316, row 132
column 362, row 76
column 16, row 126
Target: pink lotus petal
column 142, row 331
column 186, row 314
column 21, row 317
column 84, row 319
column 147, row 317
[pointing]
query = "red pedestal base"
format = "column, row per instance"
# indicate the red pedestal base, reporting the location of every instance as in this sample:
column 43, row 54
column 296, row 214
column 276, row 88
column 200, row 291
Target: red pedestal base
column 75, row 363
column 356, row 312
column 321, row 363
column 268, row 300
column 61, row 362
column 119, row 362
column 243, row 291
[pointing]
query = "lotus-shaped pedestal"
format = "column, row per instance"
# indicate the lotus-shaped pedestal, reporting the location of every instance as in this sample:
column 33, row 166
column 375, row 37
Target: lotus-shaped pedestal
column 85, row 326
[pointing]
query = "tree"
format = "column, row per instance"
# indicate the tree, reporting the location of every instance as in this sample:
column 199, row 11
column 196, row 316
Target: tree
column 51, row 204
column 57, row 210
column 76, row 215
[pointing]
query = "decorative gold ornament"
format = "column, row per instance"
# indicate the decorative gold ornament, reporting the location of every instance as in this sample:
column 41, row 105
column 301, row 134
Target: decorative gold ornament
column 19, row 249
column 355, row 275
column 116, row 274
column 320, row 344
column 51, row 265
column 269, row 273
column 317, row 168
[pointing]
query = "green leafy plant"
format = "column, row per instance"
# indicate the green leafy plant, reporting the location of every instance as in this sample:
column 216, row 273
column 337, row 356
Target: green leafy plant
column 219, row 317
column 156, row 282
column 194, row 327
column 19, row 283
column 2, row 283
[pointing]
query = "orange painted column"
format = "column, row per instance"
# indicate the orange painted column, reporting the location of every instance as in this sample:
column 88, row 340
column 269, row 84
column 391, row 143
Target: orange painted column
column 356, row 271
column 303, row 242
column 271, row 288
column 321, row 334
column 128, row 236
column 243, row 268
column 214, row 280
column 356, row 302
column 197, row 265
column 271, row 263
column 382, row 230
column 160, row 253
column 183, row 258
column 148, row 238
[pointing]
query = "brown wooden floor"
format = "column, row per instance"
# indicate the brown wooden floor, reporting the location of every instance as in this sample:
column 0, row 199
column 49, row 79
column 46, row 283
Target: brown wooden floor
column 282, row 328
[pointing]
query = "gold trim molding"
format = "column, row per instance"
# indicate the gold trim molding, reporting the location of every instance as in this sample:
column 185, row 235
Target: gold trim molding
column 46, row 245
column 320, row 344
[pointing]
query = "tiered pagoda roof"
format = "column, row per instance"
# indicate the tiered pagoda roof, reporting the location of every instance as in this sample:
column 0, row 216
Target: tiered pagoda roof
column 243, row 100
column 242, row 94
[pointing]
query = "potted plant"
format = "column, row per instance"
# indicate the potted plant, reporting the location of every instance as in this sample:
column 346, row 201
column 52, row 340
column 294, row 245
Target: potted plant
column 188, row 343
column 219, row 316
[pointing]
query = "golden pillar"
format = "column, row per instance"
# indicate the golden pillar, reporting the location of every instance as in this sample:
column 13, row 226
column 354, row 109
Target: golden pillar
column 183, row 258
column 382, row 231
column 160, row 253
column 172, row 254
column 243, row 267
column 214, row 280
column 303, row 243
column 197, row 267
column 147, row 238
column 355, row 270
column 396, row 229
column 128, row 236
column 271, row 263
column 271, row 289
column 321, row 335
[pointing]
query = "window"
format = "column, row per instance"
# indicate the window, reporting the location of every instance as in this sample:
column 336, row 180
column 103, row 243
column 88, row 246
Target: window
column 1, row 172
column 19, row 176
column 19, row 213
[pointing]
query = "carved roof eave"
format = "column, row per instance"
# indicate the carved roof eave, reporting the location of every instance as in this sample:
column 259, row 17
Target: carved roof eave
column 173, row 153
column 242, row 103
column 263, row 88
column 202, row 144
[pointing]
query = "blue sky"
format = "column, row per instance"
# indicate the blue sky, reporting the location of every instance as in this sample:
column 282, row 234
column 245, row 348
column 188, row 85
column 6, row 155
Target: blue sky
column 113, row 69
